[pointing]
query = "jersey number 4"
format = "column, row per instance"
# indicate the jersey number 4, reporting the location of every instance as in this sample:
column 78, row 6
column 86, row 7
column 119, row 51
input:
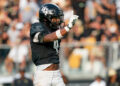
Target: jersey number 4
column 56, row 45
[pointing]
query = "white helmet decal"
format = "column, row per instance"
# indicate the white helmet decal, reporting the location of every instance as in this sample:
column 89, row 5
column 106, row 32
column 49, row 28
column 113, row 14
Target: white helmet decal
column 46, row 11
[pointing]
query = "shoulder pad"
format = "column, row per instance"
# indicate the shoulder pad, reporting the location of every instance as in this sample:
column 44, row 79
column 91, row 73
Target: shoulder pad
column 36, row 27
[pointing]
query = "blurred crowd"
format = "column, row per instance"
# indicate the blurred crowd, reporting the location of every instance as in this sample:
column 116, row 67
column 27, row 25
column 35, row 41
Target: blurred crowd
column 99, row 21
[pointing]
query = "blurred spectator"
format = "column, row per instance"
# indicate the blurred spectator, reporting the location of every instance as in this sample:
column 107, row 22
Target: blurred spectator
column 30, row 8
column 18, row 55
column 3, row 3
column 113, row 38
column 117, row 2
column 98, row 52
column 22, row 4
column 25, row 31
column 45, row 1
column 13, row 10
column 79, row 6
column 22, row 81
column 103, row 38
column 5, row 38
column 91, row 10
column 13, row 34
column 78, row 31
column 60, row 3
column 4, row 20
column 118, row 75
column 98, row 82
column 77, row 57
column 90, row 40
column 94, row 66
column 112, row 80
column 109, row 5
column 68, row 10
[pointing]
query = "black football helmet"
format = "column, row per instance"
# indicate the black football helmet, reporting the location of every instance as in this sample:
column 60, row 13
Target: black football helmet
column 52, row 15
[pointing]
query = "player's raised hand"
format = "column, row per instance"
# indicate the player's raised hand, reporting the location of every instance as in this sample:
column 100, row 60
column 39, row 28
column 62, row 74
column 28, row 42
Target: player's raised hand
column 72, row 21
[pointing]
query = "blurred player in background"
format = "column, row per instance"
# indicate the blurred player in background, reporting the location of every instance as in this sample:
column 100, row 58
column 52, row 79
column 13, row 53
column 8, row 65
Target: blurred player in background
column 98, row 82
column 45, row 38
column 22, row 81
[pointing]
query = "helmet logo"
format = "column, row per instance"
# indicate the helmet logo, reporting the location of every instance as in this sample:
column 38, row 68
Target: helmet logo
column 46, row 11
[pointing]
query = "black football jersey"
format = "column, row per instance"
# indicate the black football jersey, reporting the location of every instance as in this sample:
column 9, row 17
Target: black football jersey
column 43, row 53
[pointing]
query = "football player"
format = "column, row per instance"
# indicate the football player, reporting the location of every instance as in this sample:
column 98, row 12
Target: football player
column 45, row 42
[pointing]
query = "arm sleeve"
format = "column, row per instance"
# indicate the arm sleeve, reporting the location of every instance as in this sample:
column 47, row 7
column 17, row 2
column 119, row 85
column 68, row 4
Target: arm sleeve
column 38, row 37
column 37, row 33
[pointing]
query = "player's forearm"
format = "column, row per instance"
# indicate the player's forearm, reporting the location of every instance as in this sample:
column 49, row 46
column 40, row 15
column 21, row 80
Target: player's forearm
column 55, row 35
column 60, row 33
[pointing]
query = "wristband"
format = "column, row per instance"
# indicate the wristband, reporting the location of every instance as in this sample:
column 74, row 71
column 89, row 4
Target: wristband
column 58, row 34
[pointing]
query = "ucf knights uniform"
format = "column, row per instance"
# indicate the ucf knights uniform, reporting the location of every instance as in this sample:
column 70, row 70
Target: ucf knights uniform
column 43, row 53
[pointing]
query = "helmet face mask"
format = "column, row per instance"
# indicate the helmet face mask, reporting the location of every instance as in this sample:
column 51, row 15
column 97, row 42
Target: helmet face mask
column 52, row 15
column 57, row 21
